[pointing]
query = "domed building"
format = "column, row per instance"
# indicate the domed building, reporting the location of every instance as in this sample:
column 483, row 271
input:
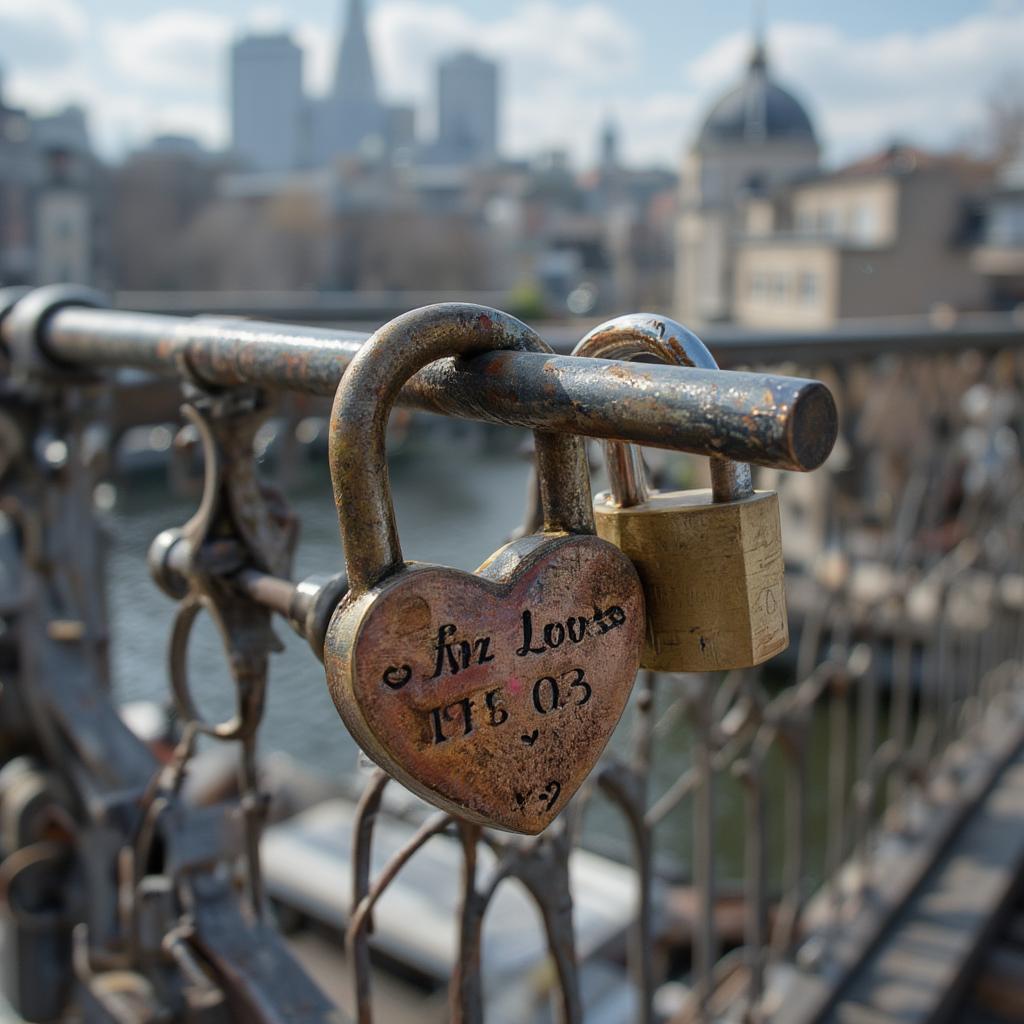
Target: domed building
column 755, row 138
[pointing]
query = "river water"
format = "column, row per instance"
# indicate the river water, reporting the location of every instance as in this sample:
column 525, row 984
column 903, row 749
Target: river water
column 457, row 498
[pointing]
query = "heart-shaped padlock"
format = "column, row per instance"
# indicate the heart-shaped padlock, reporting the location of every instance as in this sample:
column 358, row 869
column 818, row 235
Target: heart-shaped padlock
column 490, row 694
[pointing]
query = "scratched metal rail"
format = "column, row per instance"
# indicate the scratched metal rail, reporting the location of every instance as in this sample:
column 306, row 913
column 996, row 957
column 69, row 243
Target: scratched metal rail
column 769, row 420
column 128, row 903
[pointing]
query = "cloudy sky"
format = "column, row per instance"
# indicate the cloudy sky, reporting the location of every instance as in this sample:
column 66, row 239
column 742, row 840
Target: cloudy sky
column 869, row 71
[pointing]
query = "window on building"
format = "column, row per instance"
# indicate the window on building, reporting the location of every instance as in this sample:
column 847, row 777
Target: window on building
column 864, row 223
column 1006, row 224
column 805, row 224
column 828, row 221
column 808, row 288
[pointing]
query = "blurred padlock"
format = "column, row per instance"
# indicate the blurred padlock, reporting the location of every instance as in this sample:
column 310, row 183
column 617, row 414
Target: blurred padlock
column 710, row 560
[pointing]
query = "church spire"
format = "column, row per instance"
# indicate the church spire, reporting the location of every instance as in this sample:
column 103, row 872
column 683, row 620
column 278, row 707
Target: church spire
column 354, row 80
column 759, row 52
column 353, row 113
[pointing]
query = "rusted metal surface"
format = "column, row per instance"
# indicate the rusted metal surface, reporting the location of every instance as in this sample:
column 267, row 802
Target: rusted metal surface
column 491, row 694
column 142, row 949
column 640, row 334
column 787, row 423
column 910, row 649
column 849, row 341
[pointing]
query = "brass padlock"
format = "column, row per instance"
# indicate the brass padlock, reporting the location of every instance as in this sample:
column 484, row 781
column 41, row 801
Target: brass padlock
column 490, row 694
column 710, row 560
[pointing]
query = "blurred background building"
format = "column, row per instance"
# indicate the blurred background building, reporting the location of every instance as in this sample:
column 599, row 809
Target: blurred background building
column 467, row 109
column 755, row 139
column 349, row 192
column 889, row 235
column 269, row 114
column 52, row 199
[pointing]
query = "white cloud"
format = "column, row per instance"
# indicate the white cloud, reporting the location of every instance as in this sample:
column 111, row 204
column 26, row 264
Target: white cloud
column 41, row 53
column 554, row 61
column 655, row 129
column 564, row 69
column 181, row 49
column 320, row 49
column 267, row 18
column 928, row 87
column 202, row 120
column 43, row 33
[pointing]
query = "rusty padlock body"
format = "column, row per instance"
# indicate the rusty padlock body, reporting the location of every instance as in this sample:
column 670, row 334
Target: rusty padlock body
column 710, row 560
column 491, row 694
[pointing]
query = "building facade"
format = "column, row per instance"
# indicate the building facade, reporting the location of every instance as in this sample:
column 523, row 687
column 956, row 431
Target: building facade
column 19, row 177
column 999, row 256
column 891, row 235
column 268, row 106
column 467, row 109
column 755, row 138
column 350, row 120
column 52, row 220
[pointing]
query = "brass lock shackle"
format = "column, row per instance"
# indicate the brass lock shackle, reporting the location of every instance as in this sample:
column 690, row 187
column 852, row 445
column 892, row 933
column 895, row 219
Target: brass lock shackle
column 710, row 561
column 362, row 405
column 636, row 334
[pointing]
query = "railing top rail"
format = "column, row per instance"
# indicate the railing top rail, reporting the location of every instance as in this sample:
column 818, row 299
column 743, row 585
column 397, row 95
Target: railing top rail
column 850, row 340
column 733, row 345
column 770, row 420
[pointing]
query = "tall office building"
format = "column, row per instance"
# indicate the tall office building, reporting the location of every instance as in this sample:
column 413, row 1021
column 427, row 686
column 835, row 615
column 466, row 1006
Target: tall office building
column 467, row 106
column 267, row 102
column 350, row 118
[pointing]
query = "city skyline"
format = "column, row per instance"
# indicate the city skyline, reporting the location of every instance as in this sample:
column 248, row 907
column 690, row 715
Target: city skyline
column 925, row 78
column 278, row 126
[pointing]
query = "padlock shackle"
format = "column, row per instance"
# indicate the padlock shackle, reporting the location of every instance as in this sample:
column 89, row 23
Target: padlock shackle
column 359, row 418
column 636, row 334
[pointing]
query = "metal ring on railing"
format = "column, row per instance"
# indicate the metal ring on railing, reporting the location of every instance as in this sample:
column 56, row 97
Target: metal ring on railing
column 249, row 708
column 25, row 326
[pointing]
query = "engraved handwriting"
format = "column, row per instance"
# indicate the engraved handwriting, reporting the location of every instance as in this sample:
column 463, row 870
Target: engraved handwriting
column 453, row 655
column 395, row 677
column 549, row 694
column 461, row 711
column 611, row 618
column 580, row 683
column 550, row 794
column 547, row 796
column 498, row 712
column 575, row 629
column 545, row 694
column 459, row 654
column 527, row 645
column 457, row 711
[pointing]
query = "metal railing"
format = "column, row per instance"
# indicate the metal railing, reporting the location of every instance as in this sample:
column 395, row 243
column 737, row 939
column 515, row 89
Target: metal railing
column 908, row 654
